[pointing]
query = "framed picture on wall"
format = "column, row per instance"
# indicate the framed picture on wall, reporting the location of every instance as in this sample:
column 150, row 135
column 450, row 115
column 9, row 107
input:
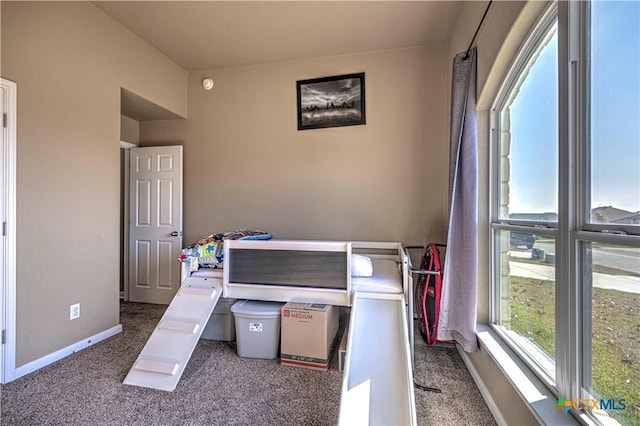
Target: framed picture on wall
column 331, row 102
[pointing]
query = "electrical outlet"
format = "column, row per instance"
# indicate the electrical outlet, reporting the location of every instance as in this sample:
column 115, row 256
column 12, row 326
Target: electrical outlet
column 74, row 311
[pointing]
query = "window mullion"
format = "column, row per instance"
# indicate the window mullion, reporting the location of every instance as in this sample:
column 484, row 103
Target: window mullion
column 580, row 116
column 566, row 294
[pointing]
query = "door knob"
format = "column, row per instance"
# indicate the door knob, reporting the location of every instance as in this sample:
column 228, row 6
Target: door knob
column 175, row 234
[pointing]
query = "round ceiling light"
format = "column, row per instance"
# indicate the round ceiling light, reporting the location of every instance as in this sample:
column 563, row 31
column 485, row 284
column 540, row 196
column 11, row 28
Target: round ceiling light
column 207, row 83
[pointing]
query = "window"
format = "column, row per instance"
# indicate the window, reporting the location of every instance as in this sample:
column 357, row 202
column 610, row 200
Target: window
column 565, row 206
column 526, row 199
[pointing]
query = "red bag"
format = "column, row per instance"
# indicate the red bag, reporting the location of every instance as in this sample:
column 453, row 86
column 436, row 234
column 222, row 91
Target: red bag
column 427, row 294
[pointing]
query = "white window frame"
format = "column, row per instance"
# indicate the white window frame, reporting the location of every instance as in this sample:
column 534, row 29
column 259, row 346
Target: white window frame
column 573, row 229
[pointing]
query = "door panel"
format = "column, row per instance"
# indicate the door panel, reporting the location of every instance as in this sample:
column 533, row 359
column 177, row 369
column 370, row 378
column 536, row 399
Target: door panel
column 143, row 203
column 142, row 263
column 165, row 203
column 156, row 213
column 166, row 263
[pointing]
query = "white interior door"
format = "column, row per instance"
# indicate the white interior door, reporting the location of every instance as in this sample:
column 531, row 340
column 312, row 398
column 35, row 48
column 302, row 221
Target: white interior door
column 155, row 223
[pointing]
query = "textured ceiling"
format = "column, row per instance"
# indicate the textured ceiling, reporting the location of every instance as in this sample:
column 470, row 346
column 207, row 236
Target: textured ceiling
column 212, row 34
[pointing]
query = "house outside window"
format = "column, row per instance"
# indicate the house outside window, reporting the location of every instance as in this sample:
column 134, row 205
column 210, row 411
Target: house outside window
column 565, row 207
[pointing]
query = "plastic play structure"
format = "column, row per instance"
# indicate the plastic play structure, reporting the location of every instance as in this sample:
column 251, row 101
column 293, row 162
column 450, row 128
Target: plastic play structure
column 377, row 384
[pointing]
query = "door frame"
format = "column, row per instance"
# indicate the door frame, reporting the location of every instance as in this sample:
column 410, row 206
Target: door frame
column 8, row 293
column 126, row 146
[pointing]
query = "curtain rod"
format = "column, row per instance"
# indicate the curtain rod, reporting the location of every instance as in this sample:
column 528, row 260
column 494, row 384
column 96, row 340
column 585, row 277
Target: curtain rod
column 466, row 55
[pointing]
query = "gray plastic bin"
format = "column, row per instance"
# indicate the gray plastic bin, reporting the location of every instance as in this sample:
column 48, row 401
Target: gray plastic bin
column 257, row 328
column 221, row 325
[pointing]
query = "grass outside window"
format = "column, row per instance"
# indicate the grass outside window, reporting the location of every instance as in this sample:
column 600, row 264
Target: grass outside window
column 615, row 334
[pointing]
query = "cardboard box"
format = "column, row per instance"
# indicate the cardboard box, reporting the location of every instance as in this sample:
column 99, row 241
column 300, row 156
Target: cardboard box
column 342, row 349
column 307, row 334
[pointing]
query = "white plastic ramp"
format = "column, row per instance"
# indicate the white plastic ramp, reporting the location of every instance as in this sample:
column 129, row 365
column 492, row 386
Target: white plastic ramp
column 377, row 385
column 165, row 355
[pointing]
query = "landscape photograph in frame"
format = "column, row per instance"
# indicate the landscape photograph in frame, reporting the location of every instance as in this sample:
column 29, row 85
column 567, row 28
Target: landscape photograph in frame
column 331, row 102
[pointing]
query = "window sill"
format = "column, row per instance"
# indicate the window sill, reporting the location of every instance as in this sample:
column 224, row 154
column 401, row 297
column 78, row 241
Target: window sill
column 538, row 398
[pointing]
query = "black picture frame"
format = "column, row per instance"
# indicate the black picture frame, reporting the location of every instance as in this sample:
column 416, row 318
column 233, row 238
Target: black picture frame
column 334, row 101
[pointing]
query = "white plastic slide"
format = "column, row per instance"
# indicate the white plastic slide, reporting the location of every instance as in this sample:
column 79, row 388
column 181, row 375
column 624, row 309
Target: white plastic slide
column 377, row 385
column 163, row 359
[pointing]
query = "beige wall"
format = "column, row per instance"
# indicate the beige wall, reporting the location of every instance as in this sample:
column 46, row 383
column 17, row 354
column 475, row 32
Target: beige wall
column 129, row 130
column 69, row 61
column 247, row 165
column 502, row 32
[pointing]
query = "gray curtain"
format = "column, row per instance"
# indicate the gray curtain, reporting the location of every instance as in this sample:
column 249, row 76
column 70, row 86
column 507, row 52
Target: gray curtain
column 458, row 305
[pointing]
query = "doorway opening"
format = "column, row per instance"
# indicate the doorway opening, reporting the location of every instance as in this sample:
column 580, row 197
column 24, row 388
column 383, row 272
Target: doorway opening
column 134, row 109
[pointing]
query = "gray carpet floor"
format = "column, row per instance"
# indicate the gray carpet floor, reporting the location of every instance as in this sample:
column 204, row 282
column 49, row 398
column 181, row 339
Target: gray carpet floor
column 217, row 387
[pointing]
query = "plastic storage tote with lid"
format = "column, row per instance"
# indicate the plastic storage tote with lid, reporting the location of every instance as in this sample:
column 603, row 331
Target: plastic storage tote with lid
column 257, row 328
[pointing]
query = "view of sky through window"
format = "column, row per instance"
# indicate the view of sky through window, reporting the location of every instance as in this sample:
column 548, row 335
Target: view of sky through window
column 615, row 104
column 534, row 136
column 614, row 67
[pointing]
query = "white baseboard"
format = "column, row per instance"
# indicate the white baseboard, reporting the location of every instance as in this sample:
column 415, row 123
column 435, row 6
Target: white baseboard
column 493, row 407
column 64, row 352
